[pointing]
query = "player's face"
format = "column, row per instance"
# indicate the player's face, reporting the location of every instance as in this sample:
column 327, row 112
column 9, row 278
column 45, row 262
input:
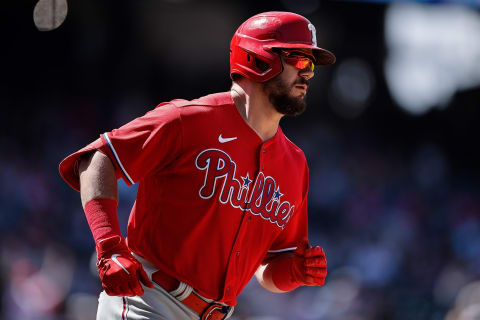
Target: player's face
column 287, row 91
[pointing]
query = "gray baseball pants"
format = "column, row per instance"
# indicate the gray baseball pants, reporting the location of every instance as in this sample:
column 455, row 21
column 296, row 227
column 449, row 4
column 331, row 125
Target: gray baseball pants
column 155, row 303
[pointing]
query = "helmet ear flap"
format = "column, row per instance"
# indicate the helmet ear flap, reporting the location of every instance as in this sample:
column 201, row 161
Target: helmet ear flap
column 256, row 64
column 262, row 65
column 248, row 63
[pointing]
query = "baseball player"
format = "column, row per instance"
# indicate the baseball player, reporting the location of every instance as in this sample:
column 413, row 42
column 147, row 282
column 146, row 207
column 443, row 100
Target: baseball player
column 222, row 193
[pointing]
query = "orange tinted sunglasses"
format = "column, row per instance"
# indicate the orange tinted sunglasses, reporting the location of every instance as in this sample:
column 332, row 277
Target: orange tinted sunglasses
column 298, row 59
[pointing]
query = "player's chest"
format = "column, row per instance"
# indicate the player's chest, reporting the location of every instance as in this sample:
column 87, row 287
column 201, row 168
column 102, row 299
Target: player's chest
column 234, row 172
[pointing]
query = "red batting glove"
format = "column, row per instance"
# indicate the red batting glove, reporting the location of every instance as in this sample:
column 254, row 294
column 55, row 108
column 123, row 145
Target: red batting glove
column 120, row 272
column 307, row 267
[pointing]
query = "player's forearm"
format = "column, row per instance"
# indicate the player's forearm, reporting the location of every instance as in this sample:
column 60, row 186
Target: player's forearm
column 99, row 194
column 97, row 178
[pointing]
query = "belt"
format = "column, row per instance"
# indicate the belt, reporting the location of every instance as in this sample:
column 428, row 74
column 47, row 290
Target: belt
column 185, row 294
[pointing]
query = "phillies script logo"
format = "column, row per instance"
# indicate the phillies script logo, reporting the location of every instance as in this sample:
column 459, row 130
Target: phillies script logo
column 263, row 199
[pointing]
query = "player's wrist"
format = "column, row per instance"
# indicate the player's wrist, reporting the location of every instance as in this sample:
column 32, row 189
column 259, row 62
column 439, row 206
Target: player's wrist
column 284, row 274
column 102, row 218
column 111, row 245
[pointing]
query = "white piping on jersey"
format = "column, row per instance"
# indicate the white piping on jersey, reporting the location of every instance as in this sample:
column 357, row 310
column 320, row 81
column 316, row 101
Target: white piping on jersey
column 282, row 250
column 117, row 158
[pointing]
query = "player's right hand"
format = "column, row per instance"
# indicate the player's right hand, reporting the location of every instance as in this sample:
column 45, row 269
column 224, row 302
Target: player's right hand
column 120, row 272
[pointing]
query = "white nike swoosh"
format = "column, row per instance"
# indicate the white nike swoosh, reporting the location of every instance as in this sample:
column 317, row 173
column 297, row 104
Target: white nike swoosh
column 114, row 258
column 223, row 140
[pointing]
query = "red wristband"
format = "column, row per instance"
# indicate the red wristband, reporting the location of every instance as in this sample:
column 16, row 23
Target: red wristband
column 282, row 273
column 102, row 218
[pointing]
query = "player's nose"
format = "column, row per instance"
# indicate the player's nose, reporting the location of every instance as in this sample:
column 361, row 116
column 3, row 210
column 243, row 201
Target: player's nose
column 306, row 73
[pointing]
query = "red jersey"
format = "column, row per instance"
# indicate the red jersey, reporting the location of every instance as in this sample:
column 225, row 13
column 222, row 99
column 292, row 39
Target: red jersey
column 213, row 198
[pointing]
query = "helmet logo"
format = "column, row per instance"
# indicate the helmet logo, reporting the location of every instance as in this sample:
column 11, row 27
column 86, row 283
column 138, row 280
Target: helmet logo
column 311, row 27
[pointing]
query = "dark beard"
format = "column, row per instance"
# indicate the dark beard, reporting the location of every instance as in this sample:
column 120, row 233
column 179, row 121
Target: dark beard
column 279, row 96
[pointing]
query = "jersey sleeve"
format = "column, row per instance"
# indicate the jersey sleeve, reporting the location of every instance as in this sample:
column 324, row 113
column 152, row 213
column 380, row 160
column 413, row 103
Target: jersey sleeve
column 297, row 227
column 68, row 168
column 147, row 143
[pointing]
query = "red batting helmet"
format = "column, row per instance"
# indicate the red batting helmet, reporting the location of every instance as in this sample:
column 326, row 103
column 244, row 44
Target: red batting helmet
column 252, row 47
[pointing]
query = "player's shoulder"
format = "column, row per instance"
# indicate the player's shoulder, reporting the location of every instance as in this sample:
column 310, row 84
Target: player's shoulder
column 209, row 101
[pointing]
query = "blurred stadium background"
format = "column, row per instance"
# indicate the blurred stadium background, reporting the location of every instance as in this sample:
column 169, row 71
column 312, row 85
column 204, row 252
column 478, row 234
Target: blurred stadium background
column 391, row 135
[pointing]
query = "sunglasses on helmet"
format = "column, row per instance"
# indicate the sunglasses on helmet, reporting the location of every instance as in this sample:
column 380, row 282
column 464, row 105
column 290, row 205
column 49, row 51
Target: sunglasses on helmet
column 298, row 59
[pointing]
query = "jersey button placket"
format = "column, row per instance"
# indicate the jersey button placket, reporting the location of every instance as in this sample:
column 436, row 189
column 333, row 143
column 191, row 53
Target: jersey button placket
column 235, row 263
column 263, row 151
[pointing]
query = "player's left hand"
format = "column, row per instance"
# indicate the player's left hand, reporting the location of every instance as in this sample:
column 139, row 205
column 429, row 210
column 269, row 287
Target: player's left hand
column 309, row 265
